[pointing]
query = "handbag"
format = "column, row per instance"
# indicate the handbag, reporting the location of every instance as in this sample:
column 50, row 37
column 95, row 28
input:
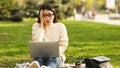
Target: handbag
column 98, row 62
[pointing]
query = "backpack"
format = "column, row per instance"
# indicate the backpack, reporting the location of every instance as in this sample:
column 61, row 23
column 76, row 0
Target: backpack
column 98, row 62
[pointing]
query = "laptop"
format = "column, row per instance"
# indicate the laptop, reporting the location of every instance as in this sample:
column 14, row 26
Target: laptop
column 43, row 49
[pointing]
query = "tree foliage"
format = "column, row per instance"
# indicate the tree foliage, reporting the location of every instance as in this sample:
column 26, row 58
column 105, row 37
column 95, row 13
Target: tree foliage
column 7, row 9
column 31, row 8
column 64, row 8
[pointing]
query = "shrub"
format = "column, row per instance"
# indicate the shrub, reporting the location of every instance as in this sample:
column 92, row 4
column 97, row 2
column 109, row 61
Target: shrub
column 16, row 18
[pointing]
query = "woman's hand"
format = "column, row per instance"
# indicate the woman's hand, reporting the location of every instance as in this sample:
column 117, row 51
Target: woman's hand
column 41, row 19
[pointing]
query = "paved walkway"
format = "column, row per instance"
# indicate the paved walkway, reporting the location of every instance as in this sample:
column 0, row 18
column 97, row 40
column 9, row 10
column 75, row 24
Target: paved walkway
column 105, row 19
column 100, row 18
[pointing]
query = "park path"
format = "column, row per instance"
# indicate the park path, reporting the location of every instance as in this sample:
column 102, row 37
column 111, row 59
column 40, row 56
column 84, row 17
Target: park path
column 103, row 18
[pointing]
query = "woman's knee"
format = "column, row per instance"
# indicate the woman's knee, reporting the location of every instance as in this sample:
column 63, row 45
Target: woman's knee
column 59, row 62
column 51, row 62
column 40, row 61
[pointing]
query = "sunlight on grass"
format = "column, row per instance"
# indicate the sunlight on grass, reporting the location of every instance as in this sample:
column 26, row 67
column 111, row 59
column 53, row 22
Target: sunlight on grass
column 10, row 24
column 4, row 34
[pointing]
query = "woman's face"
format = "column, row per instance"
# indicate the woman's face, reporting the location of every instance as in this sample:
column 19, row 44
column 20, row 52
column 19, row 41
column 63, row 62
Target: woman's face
column 48, row 17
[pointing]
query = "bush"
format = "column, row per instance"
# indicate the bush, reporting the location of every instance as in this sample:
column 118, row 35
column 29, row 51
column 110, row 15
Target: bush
column 16, row 18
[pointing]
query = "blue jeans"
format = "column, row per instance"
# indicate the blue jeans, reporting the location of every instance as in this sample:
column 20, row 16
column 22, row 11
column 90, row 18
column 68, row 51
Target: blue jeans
column 50, row 62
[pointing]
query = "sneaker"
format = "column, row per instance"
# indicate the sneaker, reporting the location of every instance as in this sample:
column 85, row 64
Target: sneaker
column 44, row 67
column 34, row 64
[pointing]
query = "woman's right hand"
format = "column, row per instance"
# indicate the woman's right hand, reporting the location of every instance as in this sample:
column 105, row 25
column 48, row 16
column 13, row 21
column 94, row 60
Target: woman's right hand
column 41, row 19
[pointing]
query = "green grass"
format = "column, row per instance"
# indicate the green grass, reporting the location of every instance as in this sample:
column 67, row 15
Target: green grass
column 86, row 39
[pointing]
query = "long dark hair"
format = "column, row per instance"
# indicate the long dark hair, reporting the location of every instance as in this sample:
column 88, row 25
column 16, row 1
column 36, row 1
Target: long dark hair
column 48, row 7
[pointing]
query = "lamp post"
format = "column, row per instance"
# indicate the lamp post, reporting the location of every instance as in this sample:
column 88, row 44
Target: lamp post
column 83, row 6
column 116, row 2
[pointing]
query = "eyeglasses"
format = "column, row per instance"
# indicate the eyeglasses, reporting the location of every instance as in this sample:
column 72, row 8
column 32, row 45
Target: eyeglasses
column 49, row 15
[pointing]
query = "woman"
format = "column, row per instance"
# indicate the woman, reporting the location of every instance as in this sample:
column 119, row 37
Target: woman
column 48, row 29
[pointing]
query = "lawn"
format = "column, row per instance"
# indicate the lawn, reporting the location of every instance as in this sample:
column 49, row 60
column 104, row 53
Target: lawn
column 86, row 39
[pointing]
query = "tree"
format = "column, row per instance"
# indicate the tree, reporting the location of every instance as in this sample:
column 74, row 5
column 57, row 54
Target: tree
column 31, row 8
column 62, row 7
column 8, row 9
column 4, row 9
